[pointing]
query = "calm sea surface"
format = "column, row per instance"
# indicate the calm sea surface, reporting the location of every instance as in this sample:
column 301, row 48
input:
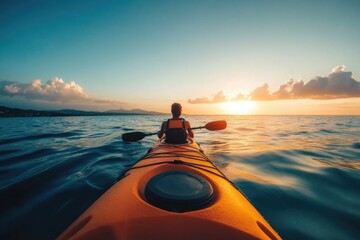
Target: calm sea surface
column 301, row 173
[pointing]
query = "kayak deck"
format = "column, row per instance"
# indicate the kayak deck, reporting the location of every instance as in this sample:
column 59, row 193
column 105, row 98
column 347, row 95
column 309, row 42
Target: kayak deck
column 129, row 210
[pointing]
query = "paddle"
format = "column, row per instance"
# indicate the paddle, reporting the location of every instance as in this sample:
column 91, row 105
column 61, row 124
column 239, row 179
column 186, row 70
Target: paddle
column 136, row 136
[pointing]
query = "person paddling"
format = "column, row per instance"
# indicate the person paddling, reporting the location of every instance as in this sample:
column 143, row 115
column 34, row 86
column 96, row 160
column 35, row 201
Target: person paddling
column 176, row 129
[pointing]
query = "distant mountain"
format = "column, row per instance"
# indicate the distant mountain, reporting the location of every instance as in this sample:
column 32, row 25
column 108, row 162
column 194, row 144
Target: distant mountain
column 16, row 112
column 133, row 111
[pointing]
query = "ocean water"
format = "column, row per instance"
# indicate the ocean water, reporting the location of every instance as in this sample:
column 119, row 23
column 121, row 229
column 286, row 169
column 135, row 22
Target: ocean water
column 301, row 172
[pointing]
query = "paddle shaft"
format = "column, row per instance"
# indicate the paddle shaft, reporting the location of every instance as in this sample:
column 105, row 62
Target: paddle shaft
column 136, row 136
column 154, row 133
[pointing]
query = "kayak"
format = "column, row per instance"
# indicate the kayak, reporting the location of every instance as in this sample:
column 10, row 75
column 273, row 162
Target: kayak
column 173, row 192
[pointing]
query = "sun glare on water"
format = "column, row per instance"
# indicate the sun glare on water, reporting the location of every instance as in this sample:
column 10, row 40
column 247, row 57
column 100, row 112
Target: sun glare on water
column 239, row 107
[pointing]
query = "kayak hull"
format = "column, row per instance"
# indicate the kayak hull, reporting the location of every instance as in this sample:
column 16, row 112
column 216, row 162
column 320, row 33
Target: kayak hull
column 125, row 212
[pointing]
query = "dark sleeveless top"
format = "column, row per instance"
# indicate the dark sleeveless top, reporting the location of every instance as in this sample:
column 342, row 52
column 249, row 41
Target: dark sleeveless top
column 175, row 135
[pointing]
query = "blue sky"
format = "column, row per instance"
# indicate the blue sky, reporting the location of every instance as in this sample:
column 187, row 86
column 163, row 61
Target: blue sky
column 148, row 54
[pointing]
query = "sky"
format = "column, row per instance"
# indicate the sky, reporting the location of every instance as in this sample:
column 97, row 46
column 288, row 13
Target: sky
column 214, row 57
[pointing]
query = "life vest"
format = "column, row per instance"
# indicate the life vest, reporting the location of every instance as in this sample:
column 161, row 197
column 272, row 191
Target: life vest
column 176, row 131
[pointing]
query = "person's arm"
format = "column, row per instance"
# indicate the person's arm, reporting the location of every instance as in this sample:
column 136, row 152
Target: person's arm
column 188, row 128
column 162, row 130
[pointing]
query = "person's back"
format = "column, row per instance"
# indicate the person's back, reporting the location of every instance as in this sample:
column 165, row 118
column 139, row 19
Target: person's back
column 176, row 129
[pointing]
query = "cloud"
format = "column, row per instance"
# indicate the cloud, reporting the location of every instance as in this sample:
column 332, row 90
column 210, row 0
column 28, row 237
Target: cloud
column 218, row 97
column 55, row 90
column 338, row 84
column 340, row 68
column 261, row 93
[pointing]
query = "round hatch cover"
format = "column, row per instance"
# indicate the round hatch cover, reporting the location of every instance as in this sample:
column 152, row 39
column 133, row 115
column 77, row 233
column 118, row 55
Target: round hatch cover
column 179, row 191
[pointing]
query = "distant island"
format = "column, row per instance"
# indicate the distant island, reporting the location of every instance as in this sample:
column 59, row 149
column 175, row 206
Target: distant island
column 16, row 112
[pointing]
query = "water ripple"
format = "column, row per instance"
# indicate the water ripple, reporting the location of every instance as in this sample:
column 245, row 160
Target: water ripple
column 37, row 137
column 356, row 145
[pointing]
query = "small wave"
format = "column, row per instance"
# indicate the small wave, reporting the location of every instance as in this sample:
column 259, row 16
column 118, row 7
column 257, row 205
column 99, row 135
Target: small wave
column 100, row 180
column 37, row 137
column 301, row 133
column 115, row 161
column 343, row 125
column 97, row 135
column 327, row 131
column 356, row 145
column 26, row 157
column 245, row 129
column 339, row 164
column 7, row 152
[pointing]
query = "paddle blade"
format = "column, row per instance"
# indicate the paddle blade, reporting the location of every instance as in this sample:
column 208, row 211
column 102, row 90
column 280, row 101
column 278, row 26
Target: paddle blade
column 216, row 125
column 133, row 136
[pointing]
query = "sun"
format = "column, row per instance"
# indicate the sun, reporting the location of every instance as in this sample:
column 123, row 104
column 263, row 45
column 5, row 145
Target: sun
column 239, row 107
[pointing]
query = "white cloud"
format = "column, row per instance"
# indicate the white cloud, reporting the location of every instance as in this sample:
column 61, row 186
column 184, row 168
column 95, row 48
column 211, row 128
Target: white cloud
column 55, row 90
column 219, row 97
column 12, row 89
column 338, row 84
column 216, row 98
column 340, row 68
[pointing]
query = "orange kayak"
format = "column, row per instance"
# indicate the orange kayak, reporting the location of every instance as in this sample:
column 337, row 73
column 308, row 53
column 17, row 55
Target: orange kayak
column 173, row 192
